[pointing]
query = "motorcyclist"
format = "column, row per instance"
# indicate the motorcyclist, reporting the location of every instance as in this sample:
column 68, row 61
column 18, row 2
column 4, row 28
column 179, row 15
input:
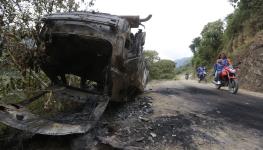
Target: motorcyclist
column 218, row 67
column 219, row 57
column 186, row 75
column 201, row 71
column 198, row 71
column 222, row 61
column 226, row 61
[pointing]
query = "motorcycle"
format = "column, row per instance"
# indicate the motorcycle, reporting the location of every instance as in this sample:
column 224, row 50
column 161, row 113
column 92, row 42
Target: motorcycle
column 186, row 76
column 228, row 78
column 202, row 76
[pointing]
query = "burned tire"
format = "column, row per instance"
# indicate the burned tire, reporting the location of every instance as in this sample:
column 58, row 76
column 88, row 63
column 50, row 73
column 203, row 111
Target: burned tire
column 233, row 86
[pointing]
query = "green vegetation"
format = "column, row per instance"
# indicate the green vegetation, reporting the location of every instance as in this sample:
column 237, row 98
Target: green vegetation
column 207, row 47
column 159, row 68
column 184, row 69
column 243, row 24
column 240, row 29
column 19, row 45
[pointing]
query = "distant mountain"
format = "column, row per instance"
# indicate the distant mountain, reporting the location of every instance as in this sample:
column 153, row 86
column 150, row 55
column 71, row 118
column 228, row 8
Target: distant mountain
column 182, row 61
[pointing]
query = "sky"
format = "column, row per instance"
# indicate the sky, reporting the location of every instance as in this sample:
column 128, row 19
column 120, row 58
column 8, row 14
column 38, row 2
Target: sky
column 175, row 23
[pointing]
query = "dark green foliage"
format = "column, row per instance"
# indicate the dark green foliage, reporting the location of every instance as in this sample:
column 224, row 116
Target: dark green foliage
column 241, row 26
column 159, row 69
column 19, row 44
column 247, row 19
column 163, row 69
column 151, row 56
column 207, row 47
column 195, row 44
column 184, row 69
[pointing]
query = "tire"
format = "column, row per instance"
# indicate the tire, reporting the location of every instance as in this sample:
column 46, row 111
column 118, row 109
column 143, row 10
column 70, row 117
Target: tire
column 201, row 78
column 218, row 86
column 233, row 86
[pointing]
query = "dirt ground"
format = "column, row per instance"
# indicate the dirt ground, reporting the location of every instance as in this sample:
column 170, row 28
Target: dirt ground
column 170, row 115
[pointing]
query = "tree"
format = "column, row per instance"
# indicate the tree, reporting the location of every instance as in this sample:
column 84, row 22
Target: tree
column 195, row 44
column 241, row 27
column 212, row 34
column 151, row 56
column 207, row 47
column 19, row 42
column 163, row 69
column 159, row 68
column 234, row 3
column 247, row 18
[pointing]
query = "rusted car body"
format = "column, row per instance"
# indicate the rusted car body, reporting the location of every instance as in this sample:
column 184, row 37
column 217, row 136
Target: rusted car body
column 97, row 47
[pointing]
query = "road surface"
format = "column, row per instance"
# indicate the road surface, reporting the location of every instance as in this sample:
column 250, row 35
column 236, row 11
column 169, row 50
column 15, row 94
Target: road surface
column 182, row 114
column 219, row 120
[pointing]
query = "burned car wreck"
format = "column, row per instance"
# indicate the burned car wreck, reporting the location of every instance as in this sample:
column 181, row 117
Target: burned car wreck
column 96, row 47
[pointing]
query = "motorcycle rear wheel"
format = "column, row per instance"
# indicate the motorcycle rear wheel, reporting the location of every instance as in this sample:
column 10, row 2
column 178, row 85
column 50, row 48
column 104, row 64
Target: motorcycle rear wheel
column 218, row 86
column 233, row 86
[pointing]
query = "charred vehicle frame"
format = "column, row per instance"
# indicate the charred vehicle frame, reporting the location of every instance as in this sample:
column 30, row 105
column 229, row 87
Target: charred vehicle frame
column 97, row 47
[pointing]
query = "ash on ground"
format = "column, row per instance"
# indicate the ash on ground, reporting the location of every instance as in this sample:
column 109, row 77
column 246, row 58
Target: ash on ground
column 131, row 126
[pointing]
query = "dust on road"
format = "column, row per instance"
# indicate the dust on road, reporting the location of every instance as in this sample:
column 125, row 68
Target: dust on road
column 172, row 115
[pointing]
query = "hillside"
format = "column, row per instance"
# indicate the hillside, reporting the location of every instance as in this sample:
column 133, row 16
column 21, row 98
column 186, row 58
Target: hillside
column 244, row 42
column 182, row 61
column 251, row 68
column 240, row 37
